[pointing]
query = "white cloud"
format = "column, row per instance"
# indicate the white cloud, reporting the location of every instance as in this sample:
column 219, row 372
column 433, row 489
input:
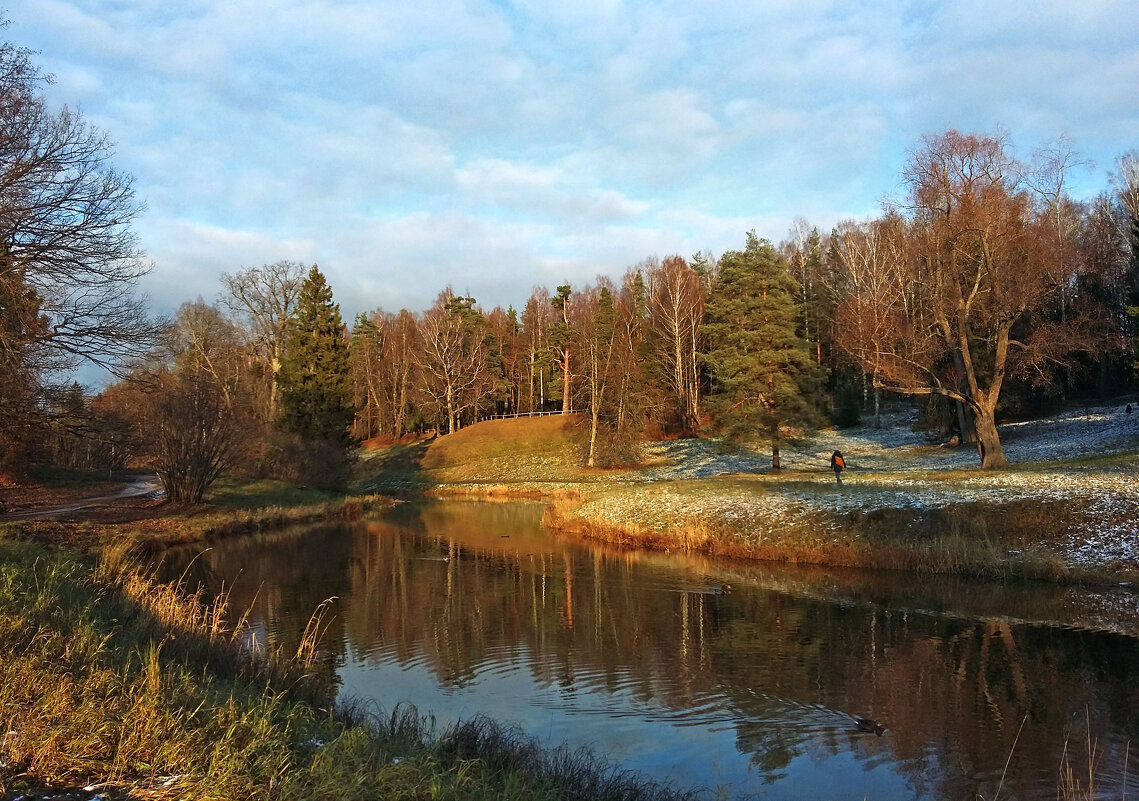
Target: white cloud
column 406, row 146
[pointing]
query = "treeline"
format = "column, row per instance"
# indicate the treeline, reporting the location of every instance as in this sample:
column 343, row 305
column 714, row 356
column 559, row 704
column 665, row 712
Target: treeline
column 985, row 289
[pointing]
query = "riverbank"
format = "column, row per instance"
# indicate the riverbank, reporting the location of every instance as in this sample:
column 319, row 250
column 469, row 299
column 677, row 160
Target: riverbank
column 116, row 687
column 1085, row 530
column 904, row 504
column 147, row 523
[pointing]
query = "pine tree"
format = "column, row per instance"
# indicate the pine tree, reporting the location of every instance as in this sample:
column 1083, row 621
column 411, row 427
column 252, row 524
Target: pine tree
column 761, row 371
column 316, row 377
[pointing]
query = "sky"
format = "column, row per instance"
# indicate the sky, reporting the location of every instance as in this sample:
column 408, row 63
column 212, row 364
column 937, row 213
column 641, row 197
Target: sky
column 497, row 146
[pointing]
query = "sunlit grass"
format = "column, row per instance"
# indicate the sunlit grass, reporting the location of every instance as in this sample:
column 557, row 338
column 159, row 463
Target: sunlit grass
column 754, row 518
column 523, row 449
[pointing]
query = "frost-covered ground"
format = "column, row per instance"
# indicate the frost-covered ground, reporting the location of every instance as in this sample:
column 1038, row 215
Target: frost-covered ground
column 895, row 447
column 894, row 467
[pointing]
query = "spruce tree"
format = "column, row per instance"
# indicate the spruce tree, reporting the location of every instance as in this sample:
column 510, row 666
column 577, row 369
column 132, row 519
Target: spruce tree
column 761, row 373
column 316, row 378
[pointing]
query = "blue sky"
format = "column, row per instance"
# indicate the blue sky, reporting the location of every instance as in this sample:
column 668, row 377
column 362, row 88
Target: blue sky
column 495, row 146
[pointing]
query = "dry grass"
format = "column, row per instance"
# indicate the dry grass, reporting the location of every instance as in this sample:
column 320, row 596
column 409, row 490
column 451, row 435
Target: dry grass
column 114, row 680
column 486, row 492
column 170, row 526
column 710, row 518
column 504, row 451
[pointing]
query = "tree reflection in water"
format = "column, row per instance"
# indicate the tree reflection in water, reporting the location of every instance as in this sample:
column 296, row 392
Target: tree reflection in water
column 649, row 649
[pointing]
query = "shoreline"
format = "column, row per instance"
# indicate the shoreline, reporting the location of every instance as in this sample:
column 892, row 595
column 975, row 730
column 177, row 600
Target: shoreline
column 1033, row 536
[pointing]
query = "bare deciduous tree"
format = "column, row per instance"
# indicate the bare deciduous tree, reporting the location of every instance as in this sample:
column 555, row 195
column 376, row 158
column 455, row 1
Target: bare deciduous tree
column 195, row 435
column 871, row 281
column 971, row 307
column 202, row 339
column 384, row 352
column 65, row 216
column 537, row 317
column 676, row 310
column 266, row 296
column 454, row 372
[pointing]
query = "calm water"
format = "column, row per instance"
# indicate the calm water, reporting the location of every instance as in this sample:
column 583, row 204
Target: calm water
column 467, row 608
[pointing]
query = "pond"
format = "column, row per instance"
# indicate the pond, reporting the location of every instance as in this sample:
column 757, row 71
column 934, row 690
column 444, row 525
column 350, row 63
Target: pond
column 744, row 678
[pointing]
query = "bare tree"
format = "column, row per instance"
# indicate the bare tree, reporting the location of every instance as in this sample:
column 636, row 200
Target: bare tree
column 1126, row 183
column 537, row 317
column 384, row 352
column 65, row 216
column 194, row 434
column 676, row 310
column 595, row 340
column 454, row 372
column 69, row 261
column 970, row 309
column 265, row 297
column 1060, row 215
column 871, row 282
column 202, row 339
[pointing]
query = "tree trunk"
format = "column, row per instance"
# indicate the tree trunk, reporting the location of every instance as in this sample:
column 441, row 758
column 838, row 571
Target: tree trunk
column 989, row 441
column 401, row 405
column 966, row 423
column 592, row 436
column 566, row 382
column 450, row 411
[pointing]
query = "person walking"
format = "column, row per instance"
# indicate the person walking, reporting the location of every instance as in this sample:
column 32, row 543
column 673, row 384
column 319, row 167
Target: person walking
column 838, row 464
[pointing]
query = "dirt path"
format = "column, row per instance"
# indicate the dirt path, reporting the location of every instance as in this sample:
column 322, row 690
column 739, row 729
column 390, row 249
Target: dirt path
column 144, row 484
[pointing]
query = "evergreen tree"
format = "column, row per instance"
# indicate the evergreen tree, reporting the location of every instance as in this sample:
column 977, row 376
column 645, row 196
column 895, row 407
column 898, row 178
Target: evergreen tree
column 316, row 377
column 761, row 372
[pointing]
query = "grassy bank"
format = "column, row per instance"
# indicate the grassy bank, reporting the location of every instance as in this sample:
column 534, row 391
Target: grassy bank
column 234, row 507
column 1056, row 520
column 113, row 682
column 733, row 519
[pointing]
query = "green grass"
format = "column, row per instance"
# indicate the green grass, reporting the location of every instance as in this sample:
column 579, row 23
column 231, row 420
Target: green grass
column 239, row 493
column 109, row 678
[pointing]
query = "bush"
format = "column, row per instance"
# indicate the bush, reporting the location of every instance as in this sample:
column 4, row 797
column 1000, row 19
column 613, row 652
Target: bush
column 323, row 464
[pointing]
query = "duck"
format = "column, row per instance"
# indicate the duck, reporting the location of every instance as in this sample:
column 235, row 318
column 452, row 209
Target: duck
column 870, row 726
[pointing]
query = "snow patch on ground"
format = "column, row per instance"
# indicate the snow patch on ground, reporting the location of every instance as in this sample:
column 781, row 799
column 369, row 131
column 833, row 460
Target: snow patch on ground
column 879, row 460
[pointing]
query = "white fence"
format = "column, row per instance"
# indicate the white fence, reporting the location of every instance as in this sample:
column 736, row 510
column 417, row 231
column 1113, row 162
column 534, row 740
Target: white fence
column 524, row 414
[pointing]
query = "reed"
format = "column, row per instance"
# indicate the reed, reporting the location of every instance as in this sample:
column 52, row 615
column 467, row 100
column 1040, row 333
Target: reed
column 488, row 492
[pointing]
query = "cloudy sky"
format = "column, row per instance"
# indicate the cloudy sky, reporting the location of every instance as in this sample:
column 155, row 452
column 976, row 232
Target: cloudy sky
column 494, row 146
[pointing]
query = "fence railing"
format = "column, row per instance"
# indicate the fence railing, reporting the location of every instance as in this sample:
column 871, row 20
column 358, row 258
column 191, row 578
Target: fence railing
column 525, row 414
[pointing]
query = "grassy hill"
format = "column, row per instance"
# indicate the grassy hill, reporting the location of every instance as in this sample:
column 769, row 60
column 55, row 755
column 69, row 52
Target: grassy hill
column 526, row 449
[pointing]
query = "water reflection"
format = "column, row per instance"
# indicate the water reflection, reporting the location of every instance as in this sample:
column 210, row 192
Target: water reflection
column 468, row 608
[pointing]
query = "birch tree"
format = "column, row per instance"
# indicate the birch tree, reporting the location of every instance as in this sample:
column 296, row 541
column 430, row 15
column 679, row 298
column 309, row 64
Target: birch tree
column 676, row 311
column 454, row 366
